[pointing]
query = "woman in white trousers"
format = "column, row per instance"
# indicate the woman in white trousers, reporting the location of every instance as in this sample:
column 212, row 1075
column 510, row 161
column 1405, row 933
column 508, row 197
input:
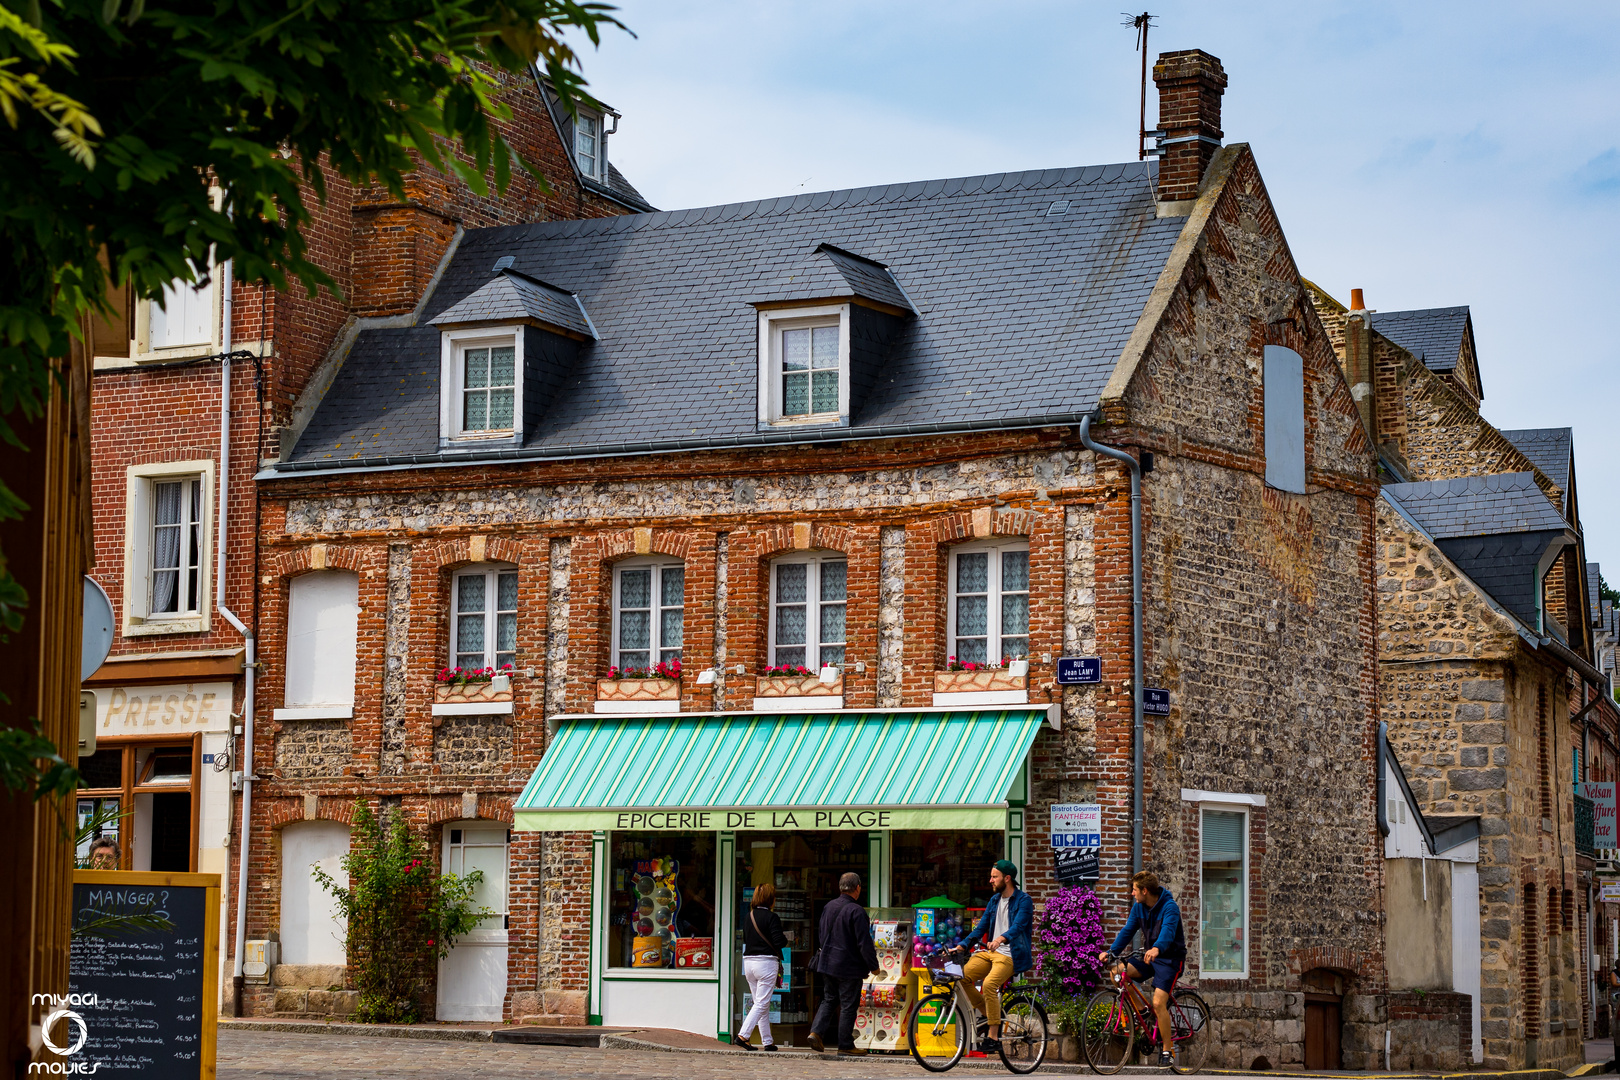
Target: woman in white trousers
column 763, row 942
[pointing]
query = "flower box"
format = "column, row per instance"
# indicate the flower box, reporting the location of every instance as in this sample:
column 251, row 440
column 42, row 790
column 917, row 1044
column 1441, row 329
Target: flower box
column 984, row 680
column 638, row 695
column 490, row 698
column 798, row 686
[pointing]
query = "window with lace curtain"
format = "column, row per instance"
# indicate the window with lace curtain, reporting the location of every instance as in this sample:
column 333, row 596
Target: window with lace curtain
column 484, row 634
column 989, row 602
column 808, row 599
column 649, row 612
column 167, row 547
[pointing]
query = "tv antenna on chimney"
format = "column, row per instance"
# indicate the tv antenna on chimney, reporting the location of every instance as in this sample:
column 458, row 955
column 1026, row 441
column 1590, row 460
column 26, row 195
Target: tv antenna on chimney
column 1142, row 23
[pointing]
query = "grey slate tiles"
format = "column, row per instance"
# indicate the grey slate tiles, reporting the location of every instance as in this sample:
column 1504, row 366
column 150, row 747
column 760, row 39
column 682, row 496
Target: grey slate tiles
column 1477, row 505
column 1021, row 315
column 1433, row 335
column 1549, row 449
column 512, row 297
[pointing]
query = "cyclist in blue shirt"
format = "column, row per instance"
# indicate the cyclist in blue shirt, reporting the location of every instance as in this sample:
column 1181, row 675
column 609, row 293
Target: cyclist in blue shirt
column 1154, row 912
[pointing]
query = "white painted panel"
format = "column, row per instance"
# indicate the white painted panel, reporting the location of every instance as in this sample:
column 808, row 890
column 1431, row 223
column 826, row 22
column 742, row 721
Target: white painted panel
column 186, row 317
column 1285, row 418
column 678, row 1004
column 472, row 981
column 1465, row 929
column 1405, row 839
column 323, row 619
column 312, row 931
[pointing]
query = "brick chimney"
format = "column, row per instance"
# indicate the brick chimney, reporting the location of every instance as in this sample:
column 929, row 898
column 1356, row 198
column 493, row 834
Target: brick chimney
column 1190, row 84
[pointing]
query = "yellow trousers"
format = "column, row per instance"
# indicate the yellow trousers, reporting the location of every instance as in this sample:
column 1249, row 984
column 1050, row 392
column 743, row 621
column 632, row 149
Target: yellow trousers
column 995, row 969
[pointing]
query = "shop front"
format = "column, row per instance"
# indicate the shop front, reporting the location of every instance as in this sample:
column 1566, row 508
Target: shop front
column 690, row 813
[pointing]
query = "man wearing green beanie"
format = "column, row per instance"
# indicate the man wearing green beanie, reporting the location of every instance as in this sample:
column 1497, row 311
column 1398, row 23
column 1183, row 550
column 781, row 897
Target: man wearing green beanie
column 1004, row 928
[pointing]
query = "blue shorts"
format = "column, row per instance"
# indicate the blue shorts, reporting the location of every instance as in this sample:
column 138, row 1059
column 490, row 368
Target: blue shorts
column 1165, row 972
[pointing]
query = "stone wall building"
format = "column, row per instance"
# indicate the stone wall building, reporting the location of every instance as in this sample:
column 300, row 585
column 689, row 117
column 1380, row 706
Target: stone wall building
column 844, row 430
column 1485, row 656
column 170, row 696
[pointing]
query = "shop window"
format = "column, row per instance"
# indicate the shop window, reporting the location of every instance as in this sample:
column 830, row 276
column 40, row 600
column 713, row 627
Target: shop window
column 950, row 863
column 989, row 602
column 808, row 598
column 1223, row 894
column 661, row 910
column 485, row 630
column 166, row 543
column 323, row 615
column 649, row 611
column 145, row 795
column 1285, row 418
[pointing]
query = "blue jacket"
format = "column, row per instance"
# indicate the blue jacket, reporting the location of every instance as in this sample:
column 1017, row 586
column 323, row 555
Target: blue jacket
column 1020, row 922
column 1160, row 926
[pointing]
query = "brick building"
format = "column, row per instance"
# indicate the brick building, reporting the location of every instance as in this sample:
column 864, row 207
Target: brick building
column 846, row 431
column 1487, row 681
column 179, row 431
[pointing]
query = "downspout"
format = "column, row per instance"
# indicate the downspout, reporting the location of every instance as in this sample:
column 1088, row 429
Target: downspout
column 1382, row 815
column 250, row 659
column 1136, row 628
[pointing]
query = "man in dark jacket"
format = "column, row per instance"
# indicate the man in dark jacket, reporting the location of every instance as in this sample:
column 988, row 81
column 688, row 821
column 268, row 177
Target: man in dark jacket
column 845, row 956
column 1155, row 913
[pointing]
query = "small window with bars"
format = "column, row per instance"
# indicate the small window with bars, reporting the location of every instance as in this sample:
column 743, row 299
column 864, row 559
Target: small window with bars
column 175, row 578
column 488, row 388
column 649, row 613
column 809, row 596
column 989, row 616
column 484, row 634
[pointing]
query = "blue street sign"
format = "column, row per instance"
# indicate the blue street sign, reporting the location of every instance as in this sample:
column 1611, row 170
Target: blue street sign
column 1079, row 670
column 1155, row 702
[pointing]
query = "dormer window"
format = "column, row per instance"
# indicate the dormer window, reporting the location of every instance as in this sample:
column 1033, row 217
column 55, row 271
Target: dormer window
column 804, row 365
column 588, row 145
column 482, row 371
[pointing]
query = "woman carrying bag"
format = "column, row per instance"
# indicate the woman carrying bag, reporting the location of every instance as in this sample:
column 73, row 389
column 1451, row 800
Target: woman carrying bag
column 763, row 942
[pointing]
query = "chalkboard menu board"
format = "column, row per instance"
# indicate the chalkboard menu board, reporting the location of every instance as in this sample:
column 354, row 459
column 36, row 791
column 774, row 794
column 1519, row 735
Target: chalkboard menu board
column 146, row 1001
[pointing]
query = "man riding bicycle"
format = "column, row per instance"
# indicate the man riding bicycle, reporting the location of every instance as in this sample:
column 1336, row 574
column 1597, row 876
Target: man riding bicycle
column 1154, row 912
column 1004, row 927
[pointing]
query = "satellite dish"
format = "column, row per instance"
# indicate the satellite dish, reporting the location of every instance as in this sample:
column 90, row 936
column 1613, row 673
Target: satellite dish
column 97, row 640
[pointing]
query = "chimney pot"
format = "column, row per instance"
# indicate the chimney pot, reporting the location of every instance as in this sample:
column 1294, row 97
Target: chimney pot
column 1190, row 84
column 1356, row 303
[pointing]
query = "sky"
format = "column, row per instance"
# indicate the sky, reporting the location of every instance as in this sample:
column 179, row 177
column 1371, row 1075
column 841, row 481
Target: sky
column 1432, row 154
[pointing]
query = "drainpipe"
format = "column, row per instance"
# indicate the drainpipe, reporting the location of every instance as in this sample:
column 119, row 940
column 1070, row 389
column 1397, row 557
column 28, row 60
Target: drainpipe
column 250, row 659
column 1136, row 628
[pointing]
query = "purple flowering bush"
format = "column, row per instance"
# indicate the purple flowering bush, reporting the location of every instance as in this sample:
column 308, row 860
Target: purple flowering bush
column 1067, row 940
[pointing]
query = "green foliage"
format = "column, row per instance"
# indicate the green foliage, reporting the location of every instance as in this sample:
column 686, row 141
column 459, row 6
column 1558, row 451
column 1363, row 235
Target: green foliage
column 1607, row 593
column 28, row 760
column 119, row 121
column 403, row 917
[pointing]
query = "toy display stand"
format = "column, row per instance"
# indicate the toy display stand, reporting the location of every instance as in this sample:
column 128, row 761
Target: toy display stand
column 881, row 1020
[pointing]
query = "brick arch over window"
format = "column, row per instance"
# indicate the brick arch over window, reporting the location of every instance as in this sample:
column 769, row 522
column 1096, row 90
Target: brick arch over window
column 443, row 808
column 466, row 550
column 286, row 811
column 314, row 557
column 590, row 570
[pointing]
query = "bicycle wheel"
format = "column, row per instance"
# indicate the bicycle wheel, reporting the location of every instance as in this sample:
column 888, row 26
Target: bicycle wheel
column 1023, row 1033
column 1109, row 1033
column 937, row 1032
column 1190, row 1028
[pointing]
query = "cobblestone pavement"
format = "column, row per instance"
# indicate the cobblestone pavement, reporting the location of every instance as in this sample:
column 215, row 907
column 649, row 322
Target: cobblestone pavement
column 283, row 1056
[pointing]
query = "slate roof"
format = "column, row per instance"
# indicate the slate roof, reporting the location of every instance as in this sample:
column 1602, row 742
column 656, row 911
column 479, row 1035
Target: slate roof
column 1477, row 505
column 1594, row 598
column 830, row 272
column 512, row 297
column 1549, row 449
column 1023, row 312
column 1433, row 335
column 617, row 187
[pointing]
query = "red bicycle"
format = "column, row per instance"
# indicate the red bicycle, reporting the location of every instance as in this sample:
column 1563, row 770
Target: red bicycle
column 1117, row 1016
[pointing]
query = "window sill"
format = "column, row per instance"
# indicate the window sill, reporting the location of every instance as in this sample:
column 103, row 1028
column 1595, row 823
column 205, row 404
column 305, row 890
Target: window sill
column 654, row 706
column 191, row 624
column 662, row 974
column 820, row 703
column 818, row 420
column 954, row 699
column 315, row 712
column 474, row 708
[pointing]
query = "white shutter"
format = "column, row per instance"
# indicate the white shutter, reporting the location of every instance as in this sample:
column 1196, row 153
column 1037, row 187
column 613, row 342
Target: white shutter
column 186, row 317
column 323, row 618
column 1223, row 836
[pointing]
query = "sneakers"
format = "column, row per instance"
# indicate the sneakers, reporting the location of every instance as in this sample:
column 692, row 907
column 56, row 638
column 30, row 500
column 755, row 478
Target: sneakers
column 816, row 1044
column 1167, row 1060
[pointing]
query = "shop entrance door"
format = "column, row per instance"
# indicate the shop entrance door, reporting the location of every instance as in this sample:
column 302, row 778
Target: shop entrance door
column 472, row 979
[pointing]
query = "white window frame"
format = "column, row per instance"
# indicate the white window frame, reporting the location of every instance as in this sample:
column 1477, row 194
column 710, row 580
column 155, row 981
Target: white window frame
column 655, row 645
column 600, row 157
column 138, row 618
column 491, row 573
column 453, row 344
column 771, row 324
column 993, row 651
column 481, row 833
column 812, row 617
column 1243, row 808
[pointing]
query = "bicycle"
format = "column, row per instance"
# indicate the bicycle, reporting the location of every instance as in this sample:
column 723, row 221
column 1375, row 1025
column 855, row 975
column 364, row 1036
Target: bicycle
column 1116, row 1016
column 939, row 1035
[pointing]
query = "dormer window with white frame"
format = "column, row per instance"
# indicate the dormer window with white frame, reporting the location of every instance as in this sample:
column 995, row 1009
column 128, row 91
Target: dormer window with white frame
column 804, row 365
column 590, row 149
column 481, row 385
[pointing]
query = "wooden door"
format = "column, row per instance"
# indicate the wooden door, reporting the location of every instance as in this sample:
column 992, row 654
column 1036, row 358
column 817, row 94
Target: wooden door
column 1322, row 1024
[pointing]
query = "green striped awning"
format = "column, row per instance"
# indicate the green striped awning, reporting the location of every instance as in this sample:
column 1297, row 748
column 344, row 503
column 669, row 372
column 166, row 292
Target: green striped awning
column 923, row 769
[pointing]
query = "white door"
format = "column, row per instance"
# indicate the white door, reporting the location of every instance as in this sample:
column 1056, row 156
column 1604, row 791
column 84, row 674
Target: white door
column 312, row 926
column 472, row 979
